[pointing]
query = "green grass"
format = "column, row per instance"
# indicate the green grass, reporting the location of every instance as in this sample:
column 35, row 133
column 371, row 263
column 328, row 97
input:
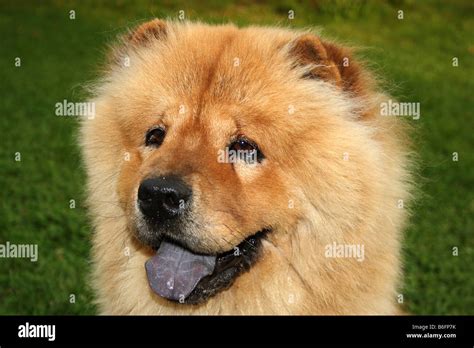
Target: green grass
column 58, row 55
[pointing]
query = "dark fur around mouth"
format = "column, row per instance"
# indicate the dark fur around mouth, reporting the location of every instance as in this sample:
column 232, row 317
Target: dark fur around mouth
column 229, row 266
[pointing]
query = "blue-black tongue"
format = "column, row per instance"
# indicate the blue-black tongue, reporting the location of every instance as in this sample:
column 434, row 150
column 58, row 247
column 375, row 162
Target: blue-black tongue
column 174, row 271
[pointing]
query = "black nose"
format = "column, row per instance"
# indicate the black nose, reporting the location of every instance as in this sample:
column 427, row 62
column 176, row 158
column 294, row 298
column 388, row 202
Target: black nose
column 164, row 198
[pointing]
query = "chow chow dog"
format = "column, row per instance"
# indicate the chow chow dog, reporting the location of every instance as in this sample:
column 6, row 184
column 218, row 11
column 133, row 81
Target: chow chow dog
column 242, row 171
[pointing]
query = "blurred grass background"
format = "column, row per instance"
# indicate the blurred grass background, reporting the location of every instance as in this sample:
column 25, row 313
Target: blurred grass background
column 414, row 56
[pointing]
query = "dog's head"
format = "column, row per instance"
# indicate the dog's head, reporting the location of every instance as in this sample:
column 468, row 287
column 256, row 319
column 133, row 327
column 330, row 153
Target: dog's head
column 216, row 137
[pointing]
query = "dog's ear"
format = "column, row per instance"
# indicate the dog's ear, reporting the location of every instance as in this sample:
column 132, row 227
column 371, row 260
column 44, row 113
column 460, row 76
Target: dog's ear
column 146, row 32
column 141, row 36
column 327, row 62
column 308, row 50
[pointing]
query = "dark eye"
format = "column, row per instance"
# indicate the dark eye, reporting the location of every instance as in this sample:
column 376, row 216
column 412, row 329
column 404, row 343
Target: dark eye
column 246, row 150
column 155, row 136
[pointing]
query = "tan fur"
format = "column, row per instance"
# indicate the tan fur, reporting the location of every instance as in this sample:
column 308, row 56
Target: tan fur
column 304, row 190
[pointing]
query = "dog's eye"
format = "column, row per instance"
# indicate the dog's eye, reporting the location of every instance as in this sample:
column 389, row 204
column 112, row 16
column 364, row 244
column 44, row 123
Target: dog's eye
column 246, row 150
column 155, row 136
column 243, row 145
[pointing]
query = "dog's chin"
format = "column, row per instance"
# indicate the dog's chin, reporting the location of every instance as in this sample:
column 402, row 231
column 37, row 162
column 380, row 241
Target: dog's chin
column 180, row 271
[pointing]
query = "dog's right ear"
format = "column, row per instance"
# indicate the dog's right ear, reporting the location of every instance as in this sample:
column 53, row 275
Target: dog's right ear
column 147, row 32
column 141, row 36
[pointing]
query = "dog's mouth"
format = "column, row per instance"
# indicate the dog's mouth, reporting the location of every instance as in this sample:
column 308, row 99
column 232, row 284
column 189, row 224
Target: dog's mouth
column 178, row 274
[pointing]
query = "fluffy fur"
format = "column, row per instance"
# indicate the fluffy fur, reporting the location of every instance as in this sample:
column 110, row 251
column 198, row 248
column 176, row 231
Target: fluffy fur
column 334, row 171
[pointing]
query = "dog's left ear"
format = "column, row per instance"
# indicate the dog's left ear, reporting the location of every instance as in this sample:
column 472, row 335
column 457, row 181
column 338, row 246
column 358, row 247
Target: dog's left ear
column 327, row 62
